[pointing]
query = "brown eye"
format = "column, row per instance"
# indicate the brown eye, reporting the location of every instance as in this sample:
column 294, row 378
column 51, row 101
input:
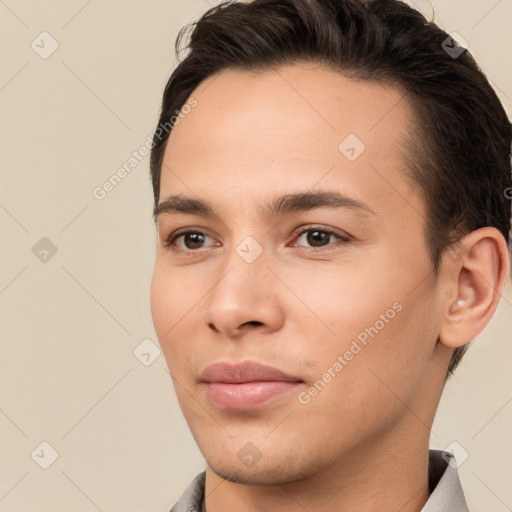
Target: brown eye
column 318, row 238
column 193, row 240
column 187, row 240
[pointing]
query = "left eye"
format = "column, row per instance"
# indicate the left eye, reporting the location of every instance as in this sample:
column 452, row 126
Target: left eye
column 317, row 237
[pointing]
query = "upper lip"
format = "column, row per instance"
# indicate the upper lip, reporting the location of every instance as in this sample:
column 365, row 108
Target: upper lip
column 246, row 371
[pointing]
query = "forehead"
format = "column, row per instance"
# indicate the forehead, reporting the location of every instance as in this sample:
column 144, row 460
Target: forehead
column 294, row 126
column 257, row 106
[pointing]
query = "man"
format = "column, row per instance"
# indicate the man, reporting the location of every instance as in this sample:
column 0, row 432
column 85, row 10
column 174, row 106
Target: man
column 333, row 224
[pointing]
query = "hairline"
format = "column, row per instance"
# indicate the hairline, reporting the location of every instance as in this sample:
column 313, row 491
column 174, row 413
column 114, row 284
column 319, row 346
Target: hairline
column 410, row 147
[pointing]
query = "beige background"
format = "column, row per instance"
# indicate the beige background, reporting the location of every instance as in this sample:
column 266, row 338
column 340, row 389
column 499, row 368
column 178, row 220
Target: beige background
column 70, row 325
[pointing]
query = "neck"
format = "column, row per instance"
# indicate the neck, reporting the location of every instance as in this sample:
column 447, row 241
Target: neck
column 381, row 476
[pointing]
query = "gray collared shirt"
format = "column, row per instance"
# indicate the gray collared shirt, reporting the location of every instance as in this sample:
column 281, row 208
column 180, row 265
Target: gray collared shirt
column 446, row 495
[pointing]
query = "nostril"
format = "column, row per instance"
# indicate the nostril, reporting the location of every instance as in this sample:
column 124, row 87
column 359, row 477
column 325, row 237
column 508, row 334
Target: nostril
column 252, row 322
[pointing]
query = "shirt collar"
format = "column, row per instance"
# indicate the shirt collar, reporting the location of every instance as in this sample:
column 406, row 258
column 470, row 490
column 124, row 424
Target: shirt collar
column 447, row 494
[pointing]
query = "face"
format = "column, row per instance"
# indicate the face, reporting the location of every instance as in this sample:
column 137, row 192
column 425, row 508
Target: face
column 295, row 301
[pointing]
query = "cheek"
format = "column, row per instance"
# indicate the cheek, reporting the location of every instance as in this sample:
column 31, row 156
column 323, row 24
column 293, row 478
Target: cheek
column 339, row 303
column 385, row 362
column 168, row 308
column 159, row 300
column 369, row 319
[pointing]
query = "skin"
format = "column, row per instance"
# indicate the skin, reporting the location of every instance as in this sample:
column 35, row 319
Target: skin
column 362, row 442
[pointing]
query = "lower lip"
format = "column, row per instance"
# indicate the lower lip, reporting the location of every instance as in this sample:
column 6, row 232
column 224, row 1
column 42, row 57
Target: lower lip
column 246, row 395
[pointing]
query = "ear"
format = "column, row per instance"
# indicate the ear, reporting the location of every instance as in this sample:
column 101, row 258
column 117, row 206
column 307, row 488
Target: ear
column 477, row 277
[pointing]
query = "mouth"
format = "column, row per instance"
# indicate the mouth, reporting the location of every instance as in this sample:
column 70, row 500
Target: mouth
column 245, row 385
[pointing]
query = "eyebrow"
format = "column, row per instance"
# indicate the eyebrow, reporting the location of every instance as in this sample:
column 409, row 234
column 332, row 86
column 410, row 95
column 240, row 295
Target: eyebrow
column 281, row 205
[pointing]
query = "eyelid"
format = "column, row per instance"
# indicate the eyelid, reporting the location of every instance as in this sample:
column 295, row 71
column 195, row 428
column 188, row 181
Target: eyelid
column 321, row 227
column 343, row 236
column 169, row 240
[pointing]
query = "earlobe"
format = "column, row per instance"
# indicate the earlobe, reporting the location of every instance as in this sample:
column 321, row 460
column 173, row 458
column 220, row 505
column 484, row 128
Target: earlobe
column 479, row 276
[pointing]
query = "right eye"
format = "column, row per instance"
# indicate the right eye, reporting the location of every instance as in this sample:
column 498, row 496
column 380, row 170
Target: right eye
column 186, row 241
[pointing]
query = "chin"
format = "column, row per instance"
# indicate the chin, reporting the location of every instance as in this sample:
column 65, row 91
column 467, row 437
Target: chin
column 270, row 472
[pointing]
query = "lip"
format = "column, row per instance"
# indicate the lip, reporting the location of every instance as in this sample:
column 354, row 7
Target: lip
column 245, row 385
column 246, row 371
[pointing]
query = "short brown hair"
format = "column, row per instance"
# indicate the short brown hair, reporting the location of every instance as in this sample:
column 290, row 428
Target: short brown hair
column 459, row 155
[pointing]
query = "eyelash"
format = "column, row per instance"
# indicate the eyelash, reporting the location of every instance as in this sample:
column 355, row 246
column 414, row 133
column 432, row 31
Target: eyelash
column 342, row 239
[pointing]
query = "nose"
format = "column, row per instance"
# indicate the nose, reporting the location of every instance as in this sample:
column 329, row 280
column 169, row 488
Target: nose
column 245, row 298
